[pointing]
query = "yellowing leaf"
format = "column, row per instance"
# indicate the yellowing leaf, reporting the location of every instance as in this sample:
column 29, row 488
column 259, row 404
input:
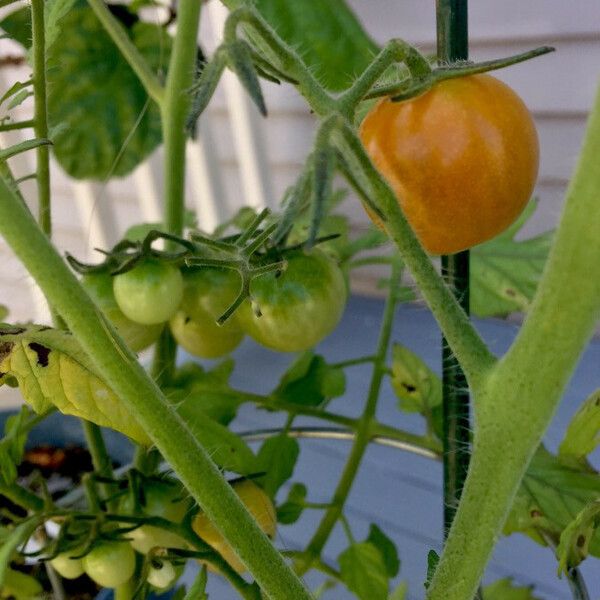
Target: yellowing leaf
column 505, row 590
column 52, row 370
column 582, row 435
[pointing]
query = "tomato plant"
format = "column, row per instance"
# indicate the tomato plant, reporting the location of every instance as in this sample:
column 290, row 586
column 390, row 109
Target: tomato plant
column 110, row 564
column 296, row 309
column 150, row 293
column 445, row 160
column 462, row 159
column 208, row 293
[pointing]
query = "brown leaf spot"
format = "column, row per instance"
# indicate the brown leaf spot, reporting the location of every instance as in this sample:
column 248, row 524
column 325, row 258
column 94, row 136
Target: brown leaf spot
column 42, row 353
column 581, row 541
column 11, row 330
column 5, row 349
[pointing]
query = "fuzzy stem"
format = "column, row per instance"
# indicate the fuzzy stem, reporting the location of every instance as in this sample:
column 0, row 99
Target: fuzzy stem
column 518, row 398
column 121, row 371
column 131, row 54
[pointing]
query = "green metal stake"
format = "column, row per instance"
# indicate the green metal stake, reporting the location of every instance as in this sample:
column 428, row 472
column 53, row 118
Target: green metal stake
column 452, row 45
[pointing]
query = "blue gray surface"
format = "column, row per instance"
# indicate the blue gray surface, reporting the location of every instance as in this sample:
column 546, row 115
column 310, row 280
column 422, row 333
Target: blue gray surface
column 398, row 491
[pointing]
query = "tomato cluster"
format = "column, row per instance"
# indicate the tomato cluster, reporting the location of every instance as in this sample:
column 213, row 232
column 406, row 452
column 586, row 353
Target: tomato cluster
column 113, row 563
column 289, row 311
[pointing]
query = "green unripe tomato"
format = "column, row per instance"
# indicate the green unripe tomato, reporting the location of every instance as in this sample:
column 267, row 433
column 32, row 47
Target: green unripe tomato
column 208, row 293
column 67, row 567
column 164, row 499
column 150, row 293
column 137, row 336
column 297, row 308
column 110, row 564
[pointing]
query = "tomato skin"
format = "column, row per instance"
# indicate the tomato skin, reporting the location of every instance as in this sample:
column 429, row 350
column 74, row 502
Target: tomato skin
column 300, row 307
column 137, row 336
column 150, row 293
column 208, row 293
column 110, row 564
column 260, row 507
column 67, row 567
column 165, row 499
column 462, row 159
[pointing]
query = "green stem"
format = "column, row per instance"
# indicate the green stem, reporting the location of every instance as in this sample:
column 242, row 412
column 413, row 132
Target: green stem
column 363, row 433
column 22, row 497
column 453, row 45
column 95, row 443
column 126, row 591
column 19, row 125
column 174, row 111
column 121, row 371
column 474, row 356
column 38, row 50
column 516, row 402
column 132, row 55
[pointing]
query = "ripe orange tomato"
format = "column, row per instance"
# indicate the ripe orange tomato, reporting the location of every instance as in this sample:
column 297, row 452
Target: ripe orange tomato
column 462, row 159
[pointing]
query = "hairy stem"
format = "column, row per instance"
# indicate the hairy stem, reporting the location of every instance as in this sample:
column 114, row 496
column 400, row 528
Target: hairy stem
column 514, row 405
column 121, row 371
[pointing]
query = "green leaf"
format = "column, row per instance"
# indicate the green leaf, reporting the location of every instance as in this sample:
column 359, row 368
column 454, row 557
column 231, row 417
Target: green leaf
column 576, row 537
column 52, row 370
column 289, row 512
column 551, row 495
column 18, row 26
column 12, row 446
column 3, row 312
column 227, row 449
column 505, row 272
column 17, row 87
column 54, row 11
column 504, row 589
column 363, row 570
column 433, row 559
column 327, row 35
column 22, row 147
column 417, row 387
column 103, row 121
column 310, row 381
column 581, row 437
column 277, row 458
column 387, row 548
column 20, row 586
column 400, row 592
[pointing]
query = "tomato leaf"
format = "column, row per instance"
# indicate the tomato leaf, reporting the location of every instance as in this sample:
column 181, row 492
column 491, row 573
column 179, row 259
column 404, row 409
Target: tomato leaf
column 328, row 36
column 3, row 312
column 52, row 370
column 227, row 449
column 387, row 548
column 433, row 559
column 12, row 446
column 505, row 272
column 416, row 386
column 363, row 570
column 551, row 495
column 289, row 512
column 17, row 26
column 504, row 589
column 400, row 592
column 277, row 458
column 102, row 120
column 576, row 537
column 581, row 437
column 11, row 540
column 310, row 381
column 20, row 586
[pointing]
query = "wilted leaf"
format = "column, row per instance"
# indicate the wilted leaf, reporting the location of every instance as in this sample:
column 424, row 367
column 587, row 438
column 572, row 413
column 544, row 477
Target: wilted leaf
column 52, row 370
column 416, row 386
column 363, row 570
column 327, row 35
column 504, row 589
column 576, row 537
column 551, row 495
column 277, row 458
column 581, row 436
column 289, row 512
column 310, row 381
column 505, row 272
